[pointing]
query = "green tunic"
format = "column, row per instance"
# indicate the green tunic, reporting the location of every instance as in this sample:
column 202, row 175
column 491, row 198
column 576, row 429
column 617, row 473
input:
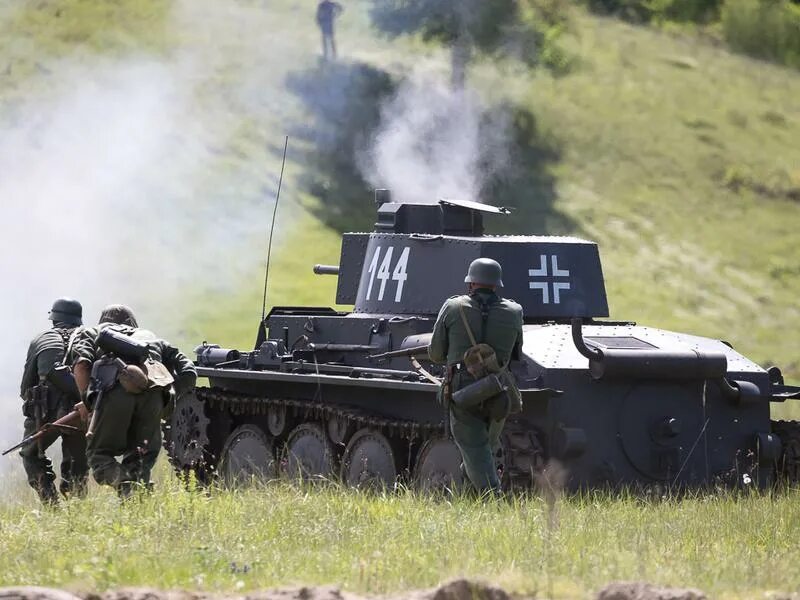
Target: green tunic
column 475, row 431
column 503, row 327
column 45, row 352
column 129, row 425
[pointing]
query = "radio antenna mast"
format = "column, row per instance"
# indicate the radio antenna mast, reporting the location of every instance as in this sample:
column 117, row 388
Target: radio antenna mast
column 272, row 229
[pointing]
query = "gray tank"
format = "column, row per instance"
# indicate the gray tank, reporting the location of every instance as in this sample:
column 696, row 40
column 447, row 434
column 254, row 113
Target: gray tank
column 606, row 403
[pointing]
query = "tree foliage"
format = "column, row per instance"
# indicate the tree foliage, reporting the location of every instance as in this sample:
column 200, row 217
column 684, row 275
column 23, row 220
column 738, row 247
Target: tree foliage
column 528, row 29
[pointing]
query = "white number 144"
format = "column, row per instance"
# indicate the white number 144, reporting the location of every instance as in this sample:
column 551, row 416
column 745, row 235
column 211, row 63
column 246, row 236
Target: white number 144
column 384, row 272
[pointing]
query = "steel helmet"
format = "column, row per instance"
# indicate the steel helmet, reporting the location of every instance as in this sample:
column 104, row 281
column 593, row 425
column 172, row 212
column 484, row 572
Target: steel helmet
column 66, row 310
column 485, row 271
column 119, row 314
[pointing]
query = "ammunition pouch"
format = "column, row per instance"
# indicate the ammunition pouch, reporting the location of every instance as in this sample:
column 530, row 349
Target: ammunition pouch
column 39, row 403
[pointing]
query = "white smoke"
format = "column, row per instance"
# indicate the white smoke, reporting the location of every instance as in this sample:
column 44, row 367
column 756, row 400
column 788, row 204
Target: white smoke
column 435, row 141
column 122, row 180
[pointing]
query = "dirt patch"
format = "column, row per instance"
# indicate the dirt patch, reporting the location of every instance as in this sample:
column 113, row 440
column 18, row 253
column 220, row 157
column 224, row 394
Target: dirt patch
column 460, row 589
column 638, row 590
column 34, row 593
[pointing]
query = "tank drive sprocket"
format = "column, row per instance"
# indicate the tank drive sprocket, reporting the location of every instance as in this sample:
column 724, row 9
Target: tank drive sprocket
column 186, row 433
column 789, row 462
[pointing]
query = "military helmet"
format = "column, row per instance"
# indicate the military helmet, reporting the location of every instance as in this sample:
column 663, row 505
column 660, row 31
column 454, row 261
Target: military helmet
column 119, row 314
column 66, row 310
column 485, row 271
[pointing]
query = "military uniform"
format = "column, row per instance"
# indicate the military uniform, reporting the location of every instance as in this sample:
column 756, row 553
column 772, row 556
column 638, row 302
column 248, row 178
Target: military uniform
column 129, row 424
column 477, row 430
column 46, row 351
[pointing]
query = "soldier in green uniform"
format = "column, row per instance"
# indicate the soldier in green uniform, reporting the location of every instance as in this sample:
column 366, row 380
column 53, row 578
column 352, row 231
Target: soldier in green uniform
column 44, row 404
column 127, row 422
column 481, row 316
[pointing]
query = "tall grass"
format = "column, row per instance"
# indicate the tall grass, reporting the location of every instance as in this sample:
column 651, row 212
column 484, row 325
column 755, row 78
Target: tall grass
column 278, row 534
column 764, row 29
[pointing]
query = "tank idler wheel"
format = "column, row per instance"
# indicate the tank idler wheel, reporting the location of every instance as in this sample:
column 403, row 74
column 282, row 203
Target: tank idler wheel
column 277, row 420
column 789, row 463
column 438, row 467
column 247, row 456
column 188, row 433
column 308, row 454
column 369, row 461
column 339, row 429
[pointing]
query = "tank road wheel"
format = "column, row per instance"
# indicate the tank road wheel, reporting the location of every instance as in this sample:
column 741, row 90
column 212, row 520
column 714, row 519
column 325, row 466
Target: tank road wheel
column 789, row 463
column 277, row 419
column 308, row 454
column 439, row 466
column 186, row 434
column 368, row 461
column 339, row 429
column 247, row 456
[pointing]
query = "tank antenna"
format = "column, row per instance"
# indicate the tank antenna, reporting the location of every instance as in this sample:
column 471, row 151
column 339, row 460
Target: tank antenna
column 272, row 229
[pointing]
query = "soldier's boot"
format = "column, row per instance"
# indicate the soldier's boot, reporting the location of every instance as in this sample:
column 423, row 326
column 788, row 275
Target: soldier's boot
column 39, row 471
column 46, row 489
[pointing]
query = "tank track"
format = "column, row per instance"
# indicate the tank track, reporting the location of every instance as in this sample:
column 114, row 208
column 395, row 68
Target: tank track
column 241, row 404
column 789, row 462
column 521, row 456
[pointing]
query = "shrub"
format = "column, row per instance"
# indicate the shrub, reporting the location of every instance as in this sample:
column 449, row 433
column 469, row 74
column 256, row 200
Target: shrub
column 766, row 29
column 644, row 11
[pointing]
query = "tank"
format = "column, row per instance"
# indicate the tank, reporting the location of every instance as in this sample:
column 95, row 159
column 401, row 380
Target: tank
column 607, row 404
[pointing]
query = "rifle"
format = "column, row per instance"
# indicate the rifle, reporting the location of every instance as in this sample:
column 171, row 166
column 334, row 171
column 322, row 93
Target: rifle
column 63, row 424
column 414, row 351
column 412, row 354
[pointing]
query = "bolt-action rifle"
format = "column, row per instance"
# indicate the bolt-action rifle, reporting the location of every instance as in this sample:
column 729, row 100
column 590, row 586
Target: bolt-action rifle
column 65, row 424
column 415, row 351
column 412, row 354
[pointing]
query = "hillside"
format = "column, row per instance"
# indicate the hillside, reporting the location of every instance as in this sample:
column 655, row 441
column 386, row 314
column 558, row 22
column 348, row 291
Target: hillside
column 679, row 158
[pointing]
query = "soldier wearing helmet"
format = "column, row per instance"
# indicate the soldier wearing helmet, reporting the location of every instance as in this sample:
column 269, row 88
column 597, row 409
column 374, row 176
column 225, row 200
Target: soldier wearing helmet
column 128, row 415
column 44, row 404
column 484, row 323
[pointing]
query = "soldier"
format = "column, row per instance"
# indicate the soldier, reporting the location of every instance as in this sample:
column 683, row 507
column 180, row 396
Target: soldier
column 128, row 397
column 327, row 11
column 44, row 404
column 478, row 324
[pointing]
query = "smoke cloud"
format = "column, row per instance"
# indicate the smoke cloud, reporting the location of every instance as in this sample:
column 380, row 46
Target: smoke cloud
column 435, row 141
column 121, row 180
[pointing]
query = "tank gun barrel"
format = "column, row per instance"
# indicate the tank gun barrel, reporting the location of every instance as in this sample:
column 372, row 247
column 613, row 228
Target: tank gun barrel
column 326, row 269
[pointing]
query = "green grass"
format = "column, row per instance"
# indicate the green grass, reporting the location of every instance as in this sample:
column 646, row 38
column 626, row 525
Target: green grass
column 731, row 547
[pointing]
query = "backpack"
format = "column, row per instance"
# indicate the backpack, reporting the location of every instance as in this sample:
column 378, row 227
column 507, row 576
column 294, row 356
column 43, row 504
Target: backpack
column 494, row 389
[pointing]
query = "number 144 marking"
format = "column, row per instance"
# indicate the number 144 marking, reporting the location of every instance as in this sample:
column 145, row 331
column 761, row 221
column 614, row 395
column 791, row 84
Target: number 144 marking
column 384, row 272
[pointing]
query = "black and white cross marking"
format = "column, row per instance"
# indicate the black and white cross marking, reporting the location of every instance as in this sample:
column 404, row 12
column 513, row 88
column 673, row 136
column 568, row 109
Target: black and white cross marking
column 550, row 276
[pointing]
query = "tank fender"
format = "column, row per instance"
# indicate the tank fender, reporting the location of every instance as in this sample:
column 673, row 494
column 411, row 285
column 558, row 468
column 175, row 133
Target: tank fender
column 613, row 363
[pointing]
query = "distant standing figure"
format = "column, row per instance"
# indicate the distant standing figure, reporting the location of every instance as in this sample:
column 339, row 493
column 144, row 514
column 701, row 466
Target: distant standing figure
column 327, row 11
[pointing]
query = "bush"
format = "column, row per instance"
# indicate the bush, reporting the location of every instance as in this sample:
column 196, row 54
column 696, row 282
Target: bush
column 766, row 29
column 644, row 11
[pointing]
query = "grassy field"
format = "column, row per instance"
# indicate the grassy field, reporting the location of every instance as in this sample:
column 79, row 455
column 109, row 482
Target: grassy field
column 277, row 535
